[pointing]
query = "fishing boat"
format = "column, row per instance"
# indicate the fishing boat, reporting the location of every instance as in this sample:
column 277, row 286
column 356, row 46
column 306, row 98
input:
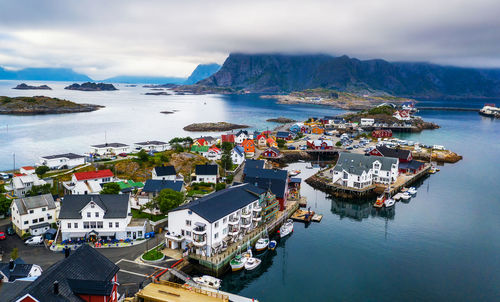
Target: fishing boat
column 380, row 202
column 261, row 244
column 272, row 245
column 238, row 262
column 252, row 263
column 412, row 191
column 208, row 281
column 405, row 196
column 294, row 172
column 389, row 202
column 286, row 228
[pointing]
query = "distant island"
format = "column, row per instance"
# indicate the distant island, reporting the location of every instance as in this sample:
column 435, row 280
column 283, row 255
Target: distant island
column 24, row 86
column 42, row 105
column 281, row 120
column 219, row 126
column 157, row 93
column 202, row 89
column 160, row 86
column 89, row 86
column 329, row 97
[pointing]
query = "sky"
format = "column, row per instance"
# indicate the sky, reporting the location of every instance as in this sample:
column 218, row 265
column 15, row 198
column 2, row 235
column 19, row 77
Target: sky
column 169, row 38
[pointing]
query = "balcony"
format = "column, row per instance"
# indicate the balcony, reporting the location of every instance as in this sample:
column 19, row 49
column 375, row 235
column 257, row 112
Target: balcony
column 257, row 218
column 245, row 223
column 234, row 221
column 199, row 228
column 200, row 241
column 246, row 214
column 233, row 231
column 257, row 209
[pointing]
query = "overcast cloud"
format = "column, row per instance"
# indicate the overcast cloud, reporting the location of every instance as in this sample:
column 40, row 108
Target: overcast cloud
column 169, row 38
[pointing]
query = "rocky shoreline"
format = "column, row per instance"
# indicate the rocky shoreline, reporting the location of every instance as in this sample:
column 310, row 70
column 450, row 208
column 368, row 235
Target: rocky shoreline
column 208, row 127
column 89, row 86
column 24, row 86
column 42, row 105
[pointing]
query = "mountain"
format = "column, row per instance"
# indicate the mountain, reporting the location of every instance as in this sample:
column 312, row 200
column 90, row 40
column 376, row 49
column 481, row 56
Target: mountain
column 144, row 80
column 43, row 74
column 265, row 73
column 201, row 72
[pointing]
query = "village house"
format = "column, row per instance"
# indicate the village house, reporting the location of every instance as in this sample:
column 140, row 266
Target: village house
column 164, row 173
column 128, row 186
column 367, row 121
column 204, row 224
column 27, row 170
column 284, row 135
column 88, row 182
column 153, row 146
column 404, row 156
column 261, row 140
column 95, row 217
column 240, row 136
column 227, row 138
column 85, row 275
column 17, row 270
column 207, row 173
column 22, row 184
column 109, row 149
column 33, row 215
column 200, row 142
column 271, row 152
column 62, row 161
column 381, row 133
column 402, row 115
column 320, row 144
column 268, row 179
column 151, row 189
column 271, row 142
column 317, row 130
column 253, row 164
column 249, row 147
column 202, row 150
column 359, row 171
column 238, row 155
column 213, row 153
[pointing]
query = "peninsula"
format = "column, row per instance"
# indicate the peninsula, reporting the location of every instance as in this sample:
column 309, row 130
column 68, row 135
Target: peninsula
column 41, row 105
column 24, row 86
column 219, row 126
column 89, row 86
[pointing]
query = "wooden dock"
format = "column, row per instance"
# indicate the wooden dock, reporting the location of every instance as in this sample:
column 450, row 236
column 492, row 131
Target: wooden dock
column 303, row 215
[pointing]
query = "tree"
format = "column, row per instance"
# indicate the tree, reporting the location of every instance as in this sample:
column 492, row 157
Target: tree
column 169, row 199
column 220, row 186
column 40, row 170
column 178, row 148
column 227, row 147
column 111, row 188
column 226, row 162
column 338, row 144
column 14, row 254
column 164, row 157
column 281, row 143
column 39, row 190
column 4, row 204
column 143, row 155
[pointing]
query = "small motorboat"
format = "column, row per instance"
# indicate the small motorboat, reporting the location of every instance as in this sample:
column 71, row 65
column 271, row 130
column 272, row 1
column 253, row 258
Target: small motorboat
column 404, row 189
column 272, row 245
column 238, row 263
column 252, row 263
column 294, row 172
column 208, row 281
column 397, row 196
column 380, row 202
column 261, row 244
column 405, row 196
column 286, row 228
column 412, row 190
column 389, row 202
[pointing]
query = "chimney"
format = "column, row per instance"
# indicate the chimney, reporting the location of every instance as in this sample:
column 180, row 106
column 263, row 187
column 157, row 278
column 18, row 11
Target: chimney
column 56, row 288
column 11, row 264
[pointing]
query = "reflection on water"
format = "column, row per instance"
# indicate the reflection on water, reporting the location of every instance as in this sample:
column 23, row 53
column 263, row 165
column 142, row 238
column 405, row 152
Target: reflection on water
column 360, row 211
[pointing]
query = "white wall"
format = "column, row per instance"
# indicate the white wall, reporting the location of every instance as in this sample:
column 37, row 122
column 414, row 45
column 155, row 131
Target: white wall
column 57, row 163
column 38, row 213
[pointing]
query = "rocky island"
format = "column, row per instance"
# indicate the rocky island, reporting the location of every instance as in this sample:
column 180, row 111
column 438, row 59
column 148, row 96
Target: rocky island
column 202, row 89
column 157, row 93
column 89, row 86
column 24, row 86
column 42, row 105
column 281, row 120
column 219, row 126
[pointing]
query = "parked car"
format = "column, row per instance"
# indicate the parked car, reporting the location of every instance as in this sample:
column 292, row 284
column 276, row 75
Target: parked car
column 2, row 236
column 123, row 154
column 10, row 230
column 291, row 148
column 4, row 176
column 34, row 240
column 303, row 147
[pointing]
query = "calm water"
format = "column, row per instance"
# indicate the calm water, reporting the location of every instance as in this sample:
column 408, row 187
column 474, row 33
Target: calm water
column 443, row 245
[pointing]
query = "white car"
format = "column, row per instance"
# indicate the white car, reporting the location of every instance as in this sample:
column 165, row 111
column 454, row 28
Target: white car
column 34, row 240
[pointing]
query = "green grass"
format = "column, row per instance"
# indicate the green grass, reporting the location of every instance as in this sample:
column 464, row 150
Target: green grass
column 139, row 214
column 153, row 254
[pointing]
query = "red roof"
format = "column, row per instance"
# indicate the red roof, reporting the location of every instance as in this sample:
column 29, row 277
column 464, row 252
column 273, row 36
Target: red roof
column 201, row 141
column 93, row 174
column 227, row 138
column 28, row 168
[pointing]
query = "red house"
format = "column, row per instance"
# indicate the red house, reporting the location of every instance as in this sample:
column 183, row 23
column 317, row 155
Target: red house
column 227, row 138
column 404, row 156
column 271, row 153
column 85, row 275
column 381, row 133
column 320, row 144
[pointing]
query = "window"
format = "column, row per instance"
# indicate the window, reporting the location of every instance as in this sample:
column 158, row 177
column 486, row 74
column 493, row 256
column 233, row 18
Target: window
column 86, row 225
column 110, row 225
column 41, row 219
column 88, row 214
column 129, row 234
column 35, row 220
column 92, row 205
column 32, row 211
column 93, row 224
column 216, row 225
column 44, row 209
column 139, row 233
column 69, row 225
column 224, row 231
column 99, row 225
column 188, row 233
column 224, row 220
column 117, row 224
column 183, row 233
column 26, row 222
column 96, row 214
column 216, row 235
column 188, row 222
column 75, row 225
column 49, row 216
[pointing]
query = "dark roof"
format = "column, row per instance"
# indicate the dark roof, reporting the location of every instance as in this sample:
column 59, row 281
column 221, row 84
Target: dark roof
column 282, row 134
column 114, row 205
column 242, row 131
column 40, row 225
column 9, row 290
column 151, row 143
column 396, row 153
column 165, row 170
column 156, row 185
column 355, row 163
column 413, row 164
column 214, row 206
column 253, row 164
column 66, row 155
column 266, row 173
column 112, row 145
column 21, row 270
column 207, row 169
column 85, row 264
column 34, row 202
column 277, row 186
column 295, row 180
column 90, row 287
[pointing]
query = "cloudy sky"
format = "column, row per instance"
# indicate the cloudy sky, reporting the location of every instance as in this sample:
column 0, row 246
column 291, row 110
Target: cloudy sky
column 169, row 38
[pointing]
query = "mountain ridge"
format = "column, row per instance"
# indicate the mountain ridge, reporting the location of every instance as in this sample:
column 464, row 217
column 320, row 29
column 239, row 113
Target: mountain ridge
column 43, row 74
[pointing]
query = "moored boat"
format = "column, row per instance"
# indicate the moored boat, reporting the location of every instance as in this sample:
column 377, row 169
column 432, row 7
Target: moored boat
column 380, row 202
column 272, row 245
column 208, row 281
column 261, row 244
column 294, row 172
column 389, row 202
column 397, row 196
column 412, row 191
column 252, row 263
column 238, row 262
column 286, row 228
column 405, row 196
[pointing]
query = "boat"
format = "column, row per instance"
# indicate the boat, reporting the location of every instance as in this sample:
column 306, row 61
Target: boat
column 389, row 202
column 294, row 172
column 380, row 202
column 405, row 196
column 252, row 263
column 208, row 281
column 404, row 189
column 412, row 190
column 286, row 228
column 272, row 245
column 490, row 110
column 397, row 196
column 261, row 244
column 238, row 262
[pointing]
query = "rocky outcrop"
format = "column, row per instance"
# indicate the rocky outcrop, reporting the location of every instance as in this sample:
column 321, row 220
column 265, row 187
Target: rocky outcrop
column 219, row 126
column 42, row 105
column 24, row 86
column 281, row 120
column 89, row 86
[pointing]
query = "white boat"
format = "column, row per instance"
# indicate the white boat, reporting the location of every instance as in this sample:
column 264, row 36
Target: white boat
column 272, row 245
column 294, row 172
column 208, row 281
column 389, row 202
column 412, row 191
column 238, row 262
column 261, row 244
column 252, row 263
column 286, row 228
column 397, row 196
column 405, row 196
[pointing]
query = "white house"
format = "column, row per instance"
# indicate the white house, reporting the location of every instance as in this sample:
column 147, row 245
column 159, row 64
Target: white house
column 207, row 173
column 21, row 184
column 18, row 270
column 94, row 217
column 88, row 182
column 402, row 115
column 109, row 149
column 27, row 170
column 238, row 155
column 360, row 171
column 367, row 121
column 164, row 173
column 34, row 214
column 213, row 153
column 62, row 161
column 151, row 189
column 204, row 224
column 155, row 146
column 241, row 136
